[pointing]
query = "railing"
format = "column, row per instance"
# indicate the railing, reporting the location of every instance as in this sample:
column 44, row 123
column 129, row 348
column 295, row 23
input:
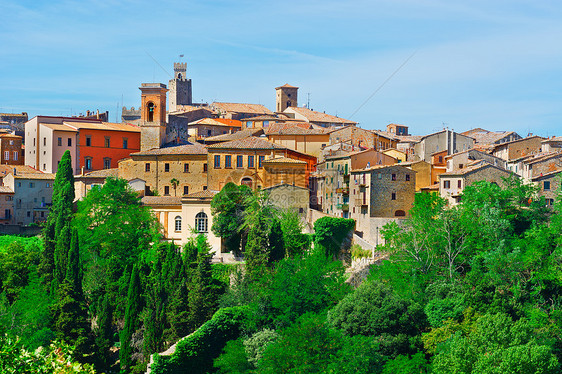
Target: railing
column 345, row 207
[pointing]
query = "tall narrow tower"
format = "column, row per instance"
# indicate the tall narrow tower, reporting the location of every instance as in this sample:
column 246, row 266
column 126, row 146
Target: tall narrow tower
column 180, row 87
column 287, row 96
column 153, row 115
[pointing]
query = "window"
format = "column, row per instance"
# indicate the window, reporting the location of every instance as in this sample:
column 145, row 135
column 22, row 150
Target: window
column 394, row 196
column 177, row 223
column 186, row 168
column 228, row 161
column 44, row 167
column 250, row 161
column 6, row 155
column 440, row 159
column 31, row 185
column 549, row 202
column 546, row 185
column 69, row 142
column 393, row 177
column 48, row 185
column 407, row 177
column 204, row 188
column 150, row 112
column 446, row 184
column 107, row 142
column 125, row 143
column 459, row 183
column 28, row 213
column 186, row 190
column 88, row 163
column 260, row 161
column 217, row 161
column 239, row 162
column 166, row 167
column 16, row 154
column 147, row 167
column 201, row 222
column 204, row 168
column 107, row 163
column 11, row 142
column 265, row 124
column 88, row 141
column 166, row 190
column 209, row 133
column 461, row 166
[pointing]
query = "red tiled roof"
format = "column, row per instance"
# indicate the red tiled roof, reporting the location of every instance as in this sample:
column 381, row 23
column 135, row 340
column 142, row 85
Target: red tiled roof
column 277, row 127
column 218, row 122
column 235, row 135
column 201, row 194
column 286, row 85
column 315, row 116
column 161, row 200
column 187, row 149
column 242, row 108
column 246, row 143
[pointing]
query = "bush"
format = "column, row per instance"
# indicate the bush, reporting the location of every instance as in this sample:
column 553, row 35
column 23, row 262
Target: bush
column 358, row 252
column 330, row 234
column 196, row 352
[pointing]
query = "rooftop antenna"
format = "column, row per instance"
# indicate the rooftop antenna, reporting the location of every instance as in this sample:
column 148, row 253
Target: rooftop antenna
column 308, row 100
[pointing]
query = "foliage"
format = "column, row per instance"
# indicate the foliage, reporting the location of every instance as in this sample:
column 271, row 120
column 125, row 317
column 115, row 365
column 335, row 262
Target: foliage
column 358, row 252
column 256, row 344
column 198, row 350
column 134, row 307
column 330, row 234
column 233, row 360
column 56, row 358
column 296, row 243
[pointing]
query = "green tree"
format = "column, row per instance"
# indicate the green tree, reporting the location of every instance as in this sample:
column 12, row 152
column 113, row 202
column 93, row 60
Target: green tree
column 132, row 313
column 175, row 184
column 296, row 243
column 331, row 235
column 104, row 336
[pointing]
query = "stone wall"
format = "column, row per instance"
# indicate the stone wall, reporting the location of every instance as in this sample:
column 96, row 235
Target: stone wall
column 388, row 196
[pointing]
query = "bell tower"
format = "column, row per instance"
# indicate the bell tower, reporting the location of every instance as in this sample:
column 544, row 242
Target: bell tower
column 153, row 115
column 287, row 96
column 180, row 87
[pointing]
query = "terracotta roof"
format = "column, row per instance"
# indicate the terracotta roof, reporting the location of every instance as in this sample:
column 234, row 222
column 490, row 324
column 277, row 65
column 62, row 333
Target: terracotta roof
column 250, row 142
column 13, row 114
column 314, row 116
column 378, row 167
column 261, row 118
column 434, row 186
column 161, row 200
column 515, row 141
column 188, row 149
column 104, row 173
column 409, row 138
column 5, row 189
column 286, row 85
column 490, row 137
column 201, row 194
column 479, row 165
column 242, row 108
column 181, row 109
column 107, row 126
column 296, row 130
column 35, row 176
column 542, row 157
column 553, row 139
column 283, row 160
column 10, row 136
column 279, row 126
column 236, row 135
column 217, row 122
column 59, row 127
column 385, row 134
column 23, row 169
column 286, row 185
column 547, row 175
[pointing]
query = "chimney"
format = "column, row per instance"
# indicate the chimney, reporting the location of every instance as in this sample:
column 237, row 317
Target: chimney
column 87, row 113
column 97, row 113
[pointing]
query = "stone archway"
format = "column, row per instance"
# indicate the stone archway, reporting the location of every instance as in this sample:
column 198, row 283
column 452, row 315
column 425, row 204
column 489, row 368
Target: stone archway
column 246, row 181
column 400, row 213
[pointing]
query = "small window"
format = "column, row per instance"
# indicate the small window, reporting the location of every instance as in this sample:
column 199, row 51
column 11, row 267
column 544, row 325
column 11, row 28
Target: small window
column 407, row 177
column 228, row 161
column 59, row 141
column 88, row 141
column 217, row 161
column 48, row 185
column 261, row 160
column 147, row 167
column 204, row 168
column 177, row 223
column 6, row 155
column 459, row 184
column 107, row 163
column 166, row 190
column 125, row 143
column 394, row 196
column 16, row 154
column 107, row 142
column 250, row 162
column 204, row 188
column 88, row 163
column 461, row 166
column 201, row 222
column 186, row 168
column 446, row 184
column 31, row 185
column 547, row 185
column 393, row 177
column 166, row 167
column 69, row 142
column 186, row 190
column 440, row 159
column 239, row 162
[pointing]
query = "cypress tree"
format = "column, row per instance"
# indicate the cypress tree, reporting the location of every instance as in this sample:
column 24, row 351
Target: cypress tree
column 104, row 335
column 132, row 312
column 155, row 317
column 257, row 252
column 276, row 242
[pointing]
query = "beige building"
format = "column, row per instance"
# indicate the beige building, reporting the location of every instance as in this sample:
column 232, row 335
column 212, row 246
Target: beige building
column 286, row 96
column 208, row 127
column 549, row 186
column 158, row 167
column 317, row 118
column 83, row 183
column 398, row 155
column 423, row 173
column 540, row 164
column 553, row 144
column 309, row 141
column 518, row 148
column 240, row 111
column 452, row 184
column 445, row 140
column 288, row 196
column 485, row 137
column 6, row 205
column 461, row 160
column 32, row 196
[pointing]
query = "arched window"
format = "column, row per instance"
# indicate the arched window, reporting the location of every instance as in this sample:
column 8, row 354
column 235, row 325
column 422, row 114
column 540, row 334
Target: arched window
column 247, row 182
column 177, row 226
column 201, row 222
column 150, row 112
column 179, row 76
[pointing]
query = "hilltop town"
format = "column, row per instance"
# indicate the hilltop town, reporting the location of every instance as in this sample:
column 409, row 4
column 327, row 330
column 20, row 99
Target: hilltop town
column 178, row 154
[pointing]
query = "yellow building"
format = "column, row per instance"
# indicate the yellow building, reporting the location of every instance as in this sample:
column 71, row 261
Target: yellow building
column 393, row 152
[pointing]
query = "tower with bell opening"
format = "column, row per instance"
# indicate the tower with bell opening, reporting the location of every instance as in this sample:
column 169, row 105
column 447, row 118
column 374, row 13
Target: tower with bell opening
column 180, row 87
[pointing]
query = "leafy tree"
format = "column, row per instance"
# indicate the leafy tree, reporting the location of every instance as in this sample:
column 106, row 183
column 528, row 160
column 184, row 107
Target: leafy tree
column 296, row 243
column 331, row 235
column 175, row 184
column 15, row 267
column 228, row 208
column 104, row 335
column 234, row 359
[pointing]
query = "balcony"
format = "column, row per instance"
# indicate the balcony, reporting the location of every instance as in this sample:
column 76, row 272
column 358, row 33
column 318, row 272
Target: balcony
column 345, row 207
column 360, row 202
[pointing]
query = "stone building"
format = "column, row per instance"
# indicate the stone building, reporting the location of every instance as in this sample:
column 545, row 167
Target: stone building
column 14, row 122
column 539, row 164
column 262, row 122
column 553, row 144
column 157, row 167
column 153, row 115
column 310, row 141
column 397, row 129
column 518, row 148
column 288, row 196
column 423, row 173
column 460, row 160
column 444, row 140
column 549, row 185
column 6, row 205
column 240, row 111
column 286, row 96
column 32, row 196
column 11, row 150
column 208, row 127
column 452, row 184
column 485, row 137
column 398, row 155
column 83, row 183
column 180, row 87
column 382, row 191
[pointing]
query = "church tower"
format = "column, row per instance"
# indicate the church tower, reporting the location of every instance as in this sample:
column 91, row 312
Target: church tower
column 286, row 97
column 180, row 87
column 153, row 115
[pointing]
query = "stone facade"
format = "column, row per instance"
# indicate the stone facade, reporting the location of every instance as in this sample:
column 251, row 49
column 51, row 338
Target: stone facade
column 32, row 196
column 153, row 115
column 14, row 122
column 540, row 164
column 286, row 96
column 287, row 196
column 6, row 205
column 518, row 148
column 423, row 173
column 302, row 140
column 461, row 160
column 553, row 144
column 397, row 129
column 180, row 87
column 549, row 186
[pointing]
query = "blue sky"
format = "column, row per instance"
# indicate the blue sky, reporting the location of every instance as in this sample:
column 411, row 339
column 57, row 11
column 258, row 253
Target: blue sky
column 492, row 64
